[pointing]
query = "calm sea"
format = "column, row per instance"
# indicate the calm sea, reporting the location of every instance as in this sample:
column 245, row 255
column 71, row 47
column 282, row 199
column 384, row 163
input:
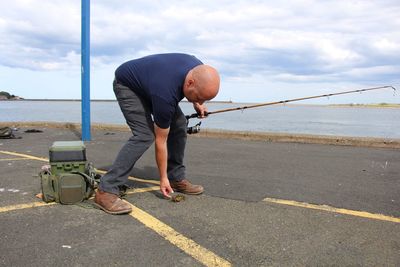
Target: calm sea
column 324, row 120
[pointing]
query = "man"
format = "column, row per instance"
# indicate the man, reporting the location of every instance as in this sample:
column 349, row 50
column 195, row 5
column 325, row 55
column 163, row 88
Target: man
column 148, row 91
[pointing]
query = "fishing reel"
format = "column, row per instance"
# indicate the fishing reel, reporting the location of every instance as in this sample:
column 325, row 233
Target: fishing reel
column 192, row 129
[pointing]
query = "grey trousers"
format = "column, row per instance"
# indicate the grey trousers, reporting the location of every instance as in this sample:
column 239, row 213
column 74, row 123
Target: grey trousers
column 138, row 117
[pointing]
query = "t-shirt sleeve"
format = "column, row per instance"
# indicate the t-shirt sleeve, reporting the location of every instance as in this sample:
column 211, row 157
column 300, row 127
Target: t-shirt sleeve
column 163, row 111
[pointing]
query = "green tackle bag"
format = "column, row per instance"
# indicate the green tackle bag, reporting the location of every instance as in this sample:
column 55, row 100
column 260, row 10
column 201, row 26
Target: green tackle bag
column 69, row 179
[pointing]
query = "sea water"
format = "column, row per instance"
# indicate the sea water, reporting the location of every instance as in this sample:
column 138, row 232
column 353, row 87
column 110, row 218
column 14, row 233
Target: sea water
column 301, row 119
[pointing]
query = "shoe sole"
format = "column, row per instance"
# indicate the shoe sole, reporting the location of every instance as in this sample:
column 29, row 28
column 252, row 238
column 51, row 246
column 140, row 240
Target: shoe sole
column 112, row 212
column 188, row 193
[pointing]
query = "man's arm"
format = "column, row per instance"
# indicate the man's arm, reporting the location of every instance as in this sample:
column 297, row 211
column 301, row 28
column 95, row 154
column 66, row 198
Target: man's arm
column 161, row 136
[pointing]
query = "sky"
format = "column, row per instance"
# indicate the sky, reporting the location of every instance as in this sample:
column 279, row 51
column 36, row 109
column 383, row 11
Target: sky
column 264, row 50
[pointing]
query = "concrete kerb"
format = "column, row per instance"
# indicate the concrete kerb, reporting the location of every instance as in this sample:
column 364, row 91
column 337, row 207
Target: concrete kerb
column 304, row 138
column 243, row 135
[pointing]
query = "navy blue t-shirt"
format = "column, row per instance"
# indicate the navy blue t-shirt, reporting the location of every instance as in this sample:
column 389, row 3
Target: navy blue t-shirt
column 159, row 80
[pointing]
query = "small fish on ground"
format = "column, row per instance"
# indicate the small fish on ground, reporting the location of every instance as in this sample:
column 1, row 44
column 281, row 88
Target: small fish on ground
column 175, row 197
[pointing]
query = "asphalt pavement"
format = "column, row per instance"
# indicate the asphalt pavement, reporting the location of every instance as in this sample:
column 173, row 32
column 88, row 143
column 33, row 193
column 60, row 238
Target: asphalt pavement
column 265, row 204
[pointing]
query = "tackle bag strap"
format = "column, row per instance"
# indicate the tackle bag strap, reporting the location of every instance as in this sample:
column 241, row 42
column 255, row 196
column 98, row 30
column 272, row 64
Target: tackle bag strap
column 47, row 186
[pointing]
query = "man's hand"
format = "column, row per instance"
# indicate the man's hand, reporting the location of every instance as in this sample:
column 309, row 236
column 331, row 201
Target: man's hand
column 201, row 109
column 165, row 188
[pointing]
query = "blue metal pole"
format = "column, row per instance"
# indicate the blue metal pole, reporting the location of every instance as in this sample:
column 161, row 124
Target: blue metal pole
column 85, row 70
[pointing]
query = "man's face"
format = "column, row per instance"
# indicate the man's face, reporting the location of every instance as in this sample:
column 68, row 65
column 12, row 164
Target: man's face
column 195, row 99
column 192, row 94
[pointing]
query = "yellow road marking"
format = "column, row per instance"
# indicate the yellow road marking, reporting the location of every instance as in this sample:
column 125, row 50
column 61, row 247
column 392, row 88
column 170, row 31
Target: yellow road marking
column 201, row 254
column 41, row 203
column 25, row 156
column 139, row 190
column 142, row 190
column 12, row 159
column 271, row 200
column 25, row 206
column 362, row 214
column 135, row 178
column 190, row 247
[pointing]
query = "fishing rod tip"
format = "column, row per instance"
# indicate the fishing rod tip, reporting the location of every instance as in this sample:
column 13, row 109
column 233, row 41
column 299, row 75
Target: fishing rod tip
column 389, row 86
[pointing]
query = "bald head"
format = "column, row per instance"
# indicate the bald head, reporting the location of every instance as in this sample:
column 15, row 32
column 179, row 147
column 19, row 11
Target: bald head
column 201, row 83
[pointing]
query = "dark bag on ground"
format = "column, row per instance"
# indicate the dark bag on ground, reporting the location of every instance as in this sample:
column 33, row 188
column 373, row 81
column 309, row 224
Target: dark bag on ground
column 70, row 178
column 6, row 133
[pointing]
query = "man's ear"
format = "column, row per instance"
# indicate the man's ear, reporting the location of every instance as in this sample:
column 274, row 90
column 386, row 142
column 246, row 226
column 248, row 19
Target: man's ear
column 190, row 82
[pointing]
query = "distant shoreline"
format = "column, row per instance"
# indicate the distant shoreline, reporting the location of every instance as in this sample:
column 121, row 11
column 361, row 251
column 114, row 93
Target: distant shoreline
column 59, row 100
column 380, row 105
column 374, row 105
column 92, row 100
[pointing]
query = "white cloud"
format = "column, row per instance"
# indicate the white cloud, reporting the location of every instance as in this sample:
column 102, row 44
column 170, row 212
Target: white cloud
column 373, row 71
column 335, row 54
column 387, row 46
column 299, row 41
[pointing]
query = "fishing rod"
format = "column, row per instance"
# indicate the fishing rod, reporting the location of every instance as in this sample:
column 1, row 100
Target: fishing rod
column 196, row 128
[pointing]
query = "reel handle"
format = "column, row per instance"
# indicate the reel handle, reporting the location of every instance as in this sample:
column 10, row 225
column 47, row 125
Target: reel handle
column 196, row 115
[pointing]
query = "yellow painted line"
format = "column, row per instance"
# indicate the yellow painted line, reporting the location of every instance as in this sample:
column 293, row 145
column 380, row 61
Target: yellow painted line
column 206, row 257
column 271, row 200
column 25, row 206
column 13, row 159
column 41, row 203
column 142, row 190
column 23, row 155
column 362, row 214
column 135, row 179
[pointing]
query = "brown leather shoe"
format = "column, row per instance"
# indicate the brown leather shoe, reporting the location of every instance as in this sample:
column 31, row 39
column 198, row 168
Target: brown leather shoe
column 186, row 187
column 111, row 203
